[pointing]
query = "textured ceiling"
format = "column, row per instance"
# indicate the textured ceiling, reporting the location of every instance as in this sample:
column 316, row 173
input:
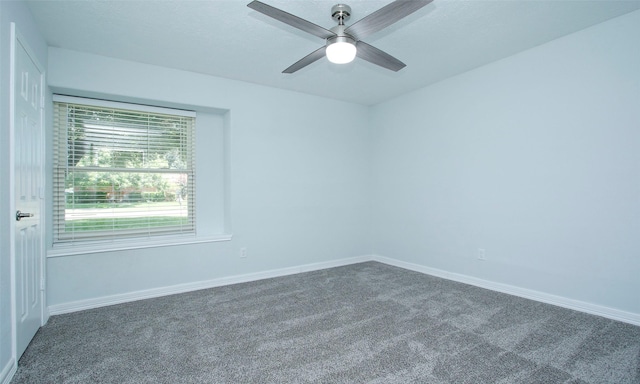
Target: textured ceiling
column 228, row 39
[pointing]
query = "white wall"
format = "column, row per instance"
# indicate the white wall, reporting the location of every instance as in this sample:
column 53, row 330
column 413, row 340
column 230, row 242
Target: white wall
column 299, row 180
column 534, row 158
column 17, row 12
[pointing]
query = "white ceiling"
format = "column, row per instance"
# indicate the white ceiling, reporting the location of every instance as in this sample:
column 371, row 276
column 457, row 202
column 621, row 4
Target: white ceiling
column 228, row 39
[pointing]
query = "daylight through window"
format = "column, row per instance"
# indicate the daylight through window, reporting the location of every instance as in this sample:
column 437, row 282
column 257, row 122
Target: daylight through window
column 121, row 171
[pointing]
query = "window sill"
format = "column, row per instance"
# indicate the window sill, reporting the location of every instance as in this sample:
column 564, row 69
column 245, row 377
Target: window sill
column 124, row 245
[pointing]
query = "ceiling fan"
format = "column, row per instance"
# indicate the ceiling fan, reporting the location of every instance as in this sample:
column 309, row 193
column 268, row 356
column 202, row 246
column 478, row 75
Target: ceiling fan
column 344, row 43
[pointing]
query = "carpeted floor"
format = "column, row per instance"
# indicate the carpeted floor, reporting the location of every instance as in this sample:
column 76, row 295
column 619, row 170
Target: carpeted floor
column 361, row 323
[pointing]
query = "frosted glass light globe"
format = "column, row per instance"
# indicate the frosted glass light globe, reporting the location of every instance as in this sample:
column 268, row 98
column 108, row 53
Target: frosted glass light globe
column 341, row 52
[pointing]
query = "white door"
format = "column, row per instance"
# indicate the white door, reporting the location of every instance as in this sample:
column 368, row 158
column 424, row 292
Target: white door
column 27, row 178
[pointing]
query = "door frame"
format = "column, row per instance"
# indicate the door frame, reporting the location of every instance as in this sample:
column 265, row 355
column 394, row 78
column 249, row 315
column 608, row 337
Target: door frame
column 17, row 39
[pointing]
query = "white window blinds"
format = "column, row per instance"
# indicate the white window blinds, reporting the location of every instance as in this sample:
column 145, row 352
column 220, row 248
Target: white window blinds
column 121, row 171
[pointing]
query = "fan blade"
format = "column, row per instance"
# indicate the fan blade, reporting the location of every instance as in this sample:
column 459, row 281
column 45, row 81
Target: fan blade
column 384, row 17
column 375, row 56
column 290, row 19
column 310, row 58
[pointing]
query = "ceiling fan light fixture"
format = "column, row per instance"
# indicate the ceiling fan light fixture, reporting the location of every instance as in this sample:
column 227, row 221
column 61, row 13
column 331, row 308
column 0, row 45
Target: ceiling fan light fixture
column 341, row 49
column 343, row 43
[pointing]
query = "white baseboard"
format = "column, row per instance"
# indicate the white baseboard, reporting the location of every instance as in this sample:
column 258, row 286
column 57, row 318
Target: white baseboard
column 8, row 371
column 581, row 306
column 594, row 309
column 81, row 305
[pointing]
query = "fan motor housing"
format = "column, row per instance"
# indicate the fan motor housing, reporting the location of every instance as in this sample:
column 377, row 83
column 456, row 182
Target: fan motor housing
column 341, row 39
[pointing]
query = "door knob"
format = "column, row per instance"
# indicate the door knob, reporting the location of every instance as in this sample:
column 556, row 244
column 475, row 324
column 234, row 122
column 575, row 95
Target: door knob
column 20, row 215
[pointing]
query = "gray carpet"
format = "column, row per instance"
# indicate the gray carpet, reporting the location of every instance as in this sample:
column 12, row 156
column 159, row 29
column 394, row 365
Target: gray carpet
column 364, row 323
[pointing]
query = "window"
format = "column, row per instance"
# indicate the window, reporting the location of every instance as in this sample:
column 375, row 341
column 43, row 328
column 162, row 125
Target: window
column 121, row 171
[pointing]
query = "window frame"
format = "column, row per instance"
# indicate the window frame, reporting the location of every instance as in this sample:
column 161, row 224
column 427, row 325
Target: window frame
column 120, row 239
